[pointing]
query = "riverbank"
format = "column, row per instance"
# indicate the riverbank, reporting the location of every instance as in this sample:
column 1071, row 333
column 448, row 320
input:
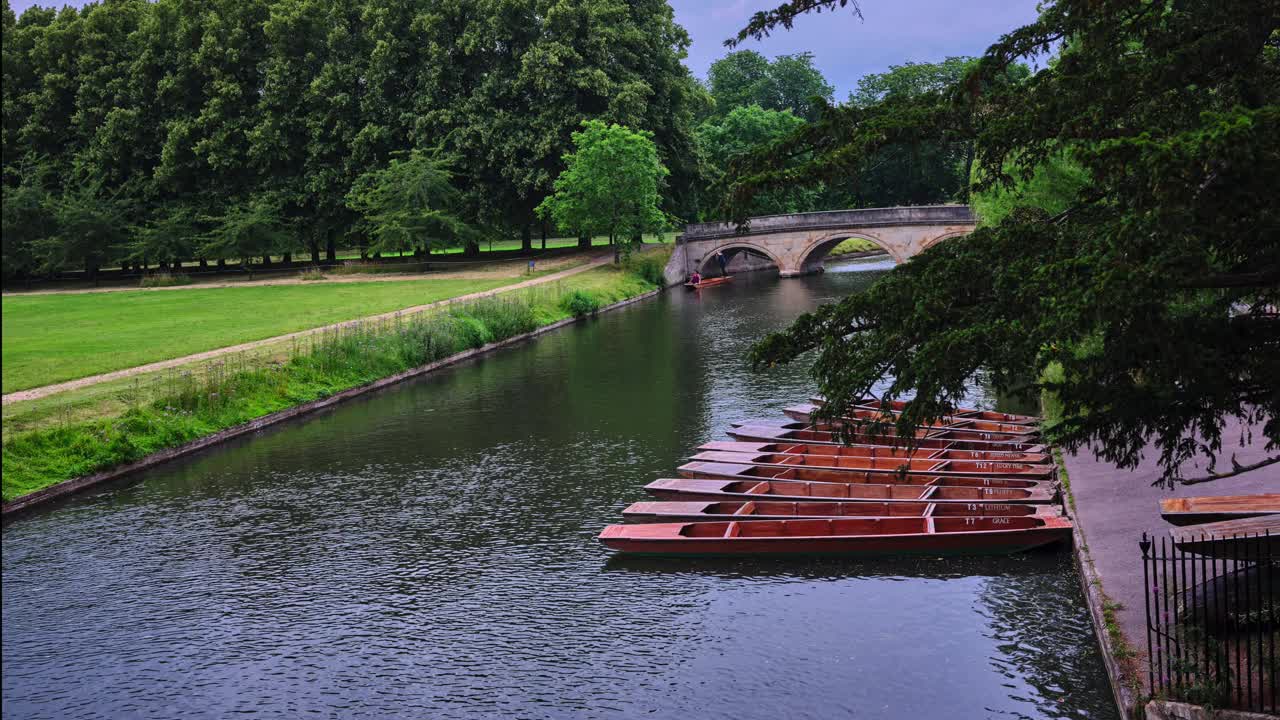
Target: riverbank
column 228, row 400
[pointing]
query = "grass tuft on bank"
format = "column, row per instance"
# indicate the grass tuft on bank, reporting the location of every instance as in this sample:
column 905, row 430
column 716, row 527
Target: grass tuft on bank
column 191, row 405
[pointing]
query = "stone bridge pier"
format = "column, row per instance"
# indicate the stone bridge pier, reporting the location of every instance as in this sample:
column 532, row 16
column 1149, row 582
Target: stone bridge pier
column 797, row 244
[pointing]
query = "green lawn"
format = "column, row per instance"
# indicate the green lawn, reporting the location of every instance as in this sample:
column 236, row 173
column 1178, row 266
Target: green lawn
column 853, row 245
column 52, row 338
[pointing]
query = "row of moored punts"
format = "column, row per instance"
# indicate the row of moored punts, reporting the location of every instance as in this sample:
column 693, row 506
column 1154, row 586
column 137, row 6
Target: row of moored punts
column 976, row 481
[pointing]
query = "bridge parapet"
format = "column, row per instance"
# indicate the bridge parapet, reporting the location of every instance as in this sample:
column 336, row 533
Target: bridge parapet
column 834, row 219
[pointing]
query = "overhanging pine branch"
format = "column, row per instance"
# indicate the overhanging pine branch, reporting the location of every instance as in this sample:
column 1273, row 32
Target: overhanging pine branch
column 1235, row 470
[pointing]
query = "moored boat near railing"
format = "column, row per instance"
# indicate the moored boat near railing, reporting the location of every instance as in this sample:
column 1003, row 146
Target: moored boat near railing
column 1196, row 510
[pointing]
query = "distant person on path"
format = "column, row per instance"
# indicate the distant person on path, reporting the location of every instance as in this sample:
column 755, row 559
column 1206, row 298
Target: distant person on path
column 720, row 259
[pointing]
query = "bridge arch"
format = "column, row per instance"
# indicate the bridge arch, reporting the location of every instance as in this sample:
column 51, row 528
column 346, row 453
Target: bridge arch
column 945, row 236
column 731, row 250
column 815, row 253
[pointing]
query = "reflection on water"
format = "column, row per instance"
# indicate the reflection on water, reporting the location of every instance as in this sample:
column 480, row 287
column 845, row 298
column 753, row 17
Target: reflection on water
column 429, row 552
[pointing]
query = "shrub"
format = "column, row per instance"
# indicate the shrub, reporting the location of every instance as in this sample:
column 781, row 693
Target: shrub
column 580, row 304
column 373, row 267
column 505, row 317
column 648, row 266
column 164, row 279
column 310, row 274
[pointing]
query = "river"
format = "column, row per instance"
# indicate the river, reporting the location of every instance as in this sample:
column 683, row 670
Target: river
column 428, row 552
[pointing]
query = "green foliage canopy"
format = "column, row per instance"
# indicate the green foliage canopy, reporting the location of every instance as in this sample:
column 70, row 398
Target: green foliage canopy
column 610, row 185
column 408, row 204
column 1155, row 288
column 789, row 82
column 742, row 131
column 202, row 110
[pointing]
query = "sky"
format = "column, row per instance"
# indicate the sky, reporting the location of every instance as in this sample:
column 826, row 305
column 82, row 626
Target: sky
column 845, row 48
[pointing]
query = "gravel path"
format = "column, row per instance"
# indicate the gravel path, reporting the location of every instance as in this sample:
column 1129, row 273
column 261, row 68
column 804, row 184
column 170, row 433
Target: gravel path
column 46, row 390
column 489, row 270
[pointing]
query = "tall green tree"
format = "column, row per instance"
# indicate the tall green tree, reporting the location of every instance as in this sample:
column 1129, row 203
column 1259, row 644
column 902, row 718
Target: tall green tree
column 742, row 131
column 915, row 173
column 251, row 227
column 789, row 82
column 89, row 228
column 410, row 204
column 610, row 186
column 28, row 219
column 1155, row 289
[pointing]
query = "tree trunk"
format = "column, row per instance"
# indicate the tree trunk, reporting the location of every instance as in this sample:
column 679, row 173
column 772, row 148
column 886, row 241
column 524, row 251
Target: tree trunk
column 472, row 249
column 584, row 242
column 526, row 238
column 266, row 261
column 287, row 258
column 330, row 248
column 544, row 234
column 204, row 264
column 315, row 253
column 222, row 262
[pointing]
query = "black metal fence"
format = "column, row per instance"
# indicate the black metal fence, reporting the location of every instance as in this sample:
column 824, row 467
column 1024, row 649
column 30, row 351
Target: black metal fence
column 1212, row 610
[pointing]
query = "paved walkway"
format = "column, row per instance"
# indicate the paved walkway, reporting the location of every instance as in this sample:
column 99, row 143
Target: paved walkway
column 46, row 390
column 1114, row 507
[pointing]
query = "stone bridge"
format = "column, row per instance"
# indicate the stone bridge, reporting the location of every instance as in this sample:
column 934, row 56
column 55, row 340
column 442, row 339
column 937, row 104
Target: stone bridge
column 797, row 244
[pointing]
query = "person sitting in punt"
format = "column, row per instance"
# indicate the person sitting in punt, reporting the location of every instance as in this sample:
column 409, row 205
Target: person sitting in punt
column 695, row 278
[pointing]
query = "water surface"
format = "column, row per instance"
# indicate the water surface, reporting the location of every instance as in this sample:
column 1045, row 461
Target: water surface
column 429, row 552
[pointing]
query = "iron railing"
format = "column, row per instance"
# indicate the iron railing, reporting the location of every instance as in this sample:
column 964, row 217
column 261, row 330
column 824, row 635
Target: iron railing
column 1212, row 621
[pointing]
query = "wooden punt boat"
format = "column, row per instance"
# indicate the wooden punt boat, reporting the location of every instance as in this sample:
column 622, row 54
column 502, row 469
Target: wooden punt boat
column 709, row 282
column 898, row 406
column 826, row 435
column 1232, row 539
column 976, row 429
column 804, row 490
column 857, row 536
column 706, row 511
column 875, row 451
column 1207, row 509
column 919, row 472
